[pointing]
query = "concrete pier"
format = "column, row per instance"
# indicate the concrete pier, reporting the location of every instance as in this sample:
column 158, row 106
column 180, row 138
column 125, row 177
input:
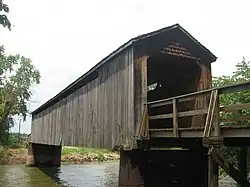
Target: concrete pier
column 41, row 155
column 162, row 168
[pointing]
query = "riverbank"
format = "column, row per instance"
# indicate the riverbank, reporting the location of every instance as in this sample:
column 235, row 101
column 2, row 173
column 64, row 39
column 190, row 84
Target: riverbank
column 10, row 155
column 70, row 155
column 76, row 155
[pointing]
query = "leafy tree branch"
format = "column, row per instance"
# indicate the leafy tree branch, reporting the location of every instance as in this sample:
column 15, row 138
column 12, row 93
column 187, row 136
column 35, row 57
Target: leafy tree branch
column 4, row 10
column 17, row 76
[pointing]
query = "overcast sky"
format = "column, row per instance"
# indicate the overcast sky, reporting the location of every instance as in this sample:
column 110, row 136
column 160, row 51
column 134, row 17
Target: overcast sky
column 65, row 39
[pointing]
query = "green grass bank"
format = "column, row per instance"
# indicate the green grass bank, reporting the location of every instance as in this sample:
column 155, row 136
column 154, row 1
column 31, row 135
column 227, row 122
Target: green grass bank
column 70, row 155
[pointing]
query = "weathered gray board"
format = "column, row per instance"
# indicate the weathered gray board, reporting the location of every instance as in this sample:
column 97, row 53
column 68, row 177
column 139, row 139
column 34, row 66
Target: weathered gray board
column 107, row 110
column 99, row 114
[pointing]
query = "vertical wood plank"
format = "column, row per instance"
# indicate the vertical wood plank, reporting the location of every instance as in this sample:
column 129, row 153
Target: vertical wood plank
column 175, row 119
column 131, row 121
column 76, row 117
column 53, row 124
column 96, row 115
column 242, row 162
column 67, row 119
column 59, row 122
column 140, row 73
column 100, row 114
column 216, row 121
column 202, row 101
column 213, row 173
column 81, row 114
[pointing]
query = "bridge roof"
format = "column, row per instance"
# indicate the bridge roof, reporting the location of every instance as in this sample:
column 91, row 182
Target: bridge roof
column 76, row 84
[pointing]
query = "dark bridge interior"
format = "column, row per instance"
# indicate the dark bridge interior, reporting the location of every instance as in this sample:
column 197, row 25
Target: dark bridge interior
column 170, row 76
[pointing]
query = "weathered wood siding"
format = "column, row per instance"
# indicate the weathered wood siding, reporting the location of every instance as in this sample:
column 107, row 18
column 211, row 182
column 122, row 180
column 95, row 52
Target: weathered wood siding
column 99, row 114
column 202, row 102
column 140, row 69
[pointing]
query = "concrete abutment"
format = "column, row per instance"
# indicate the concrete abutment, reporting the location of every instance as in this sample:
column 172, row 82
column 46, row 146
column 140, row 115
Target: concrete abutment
column 42, row 155
column 149, row 168
column 162, row 168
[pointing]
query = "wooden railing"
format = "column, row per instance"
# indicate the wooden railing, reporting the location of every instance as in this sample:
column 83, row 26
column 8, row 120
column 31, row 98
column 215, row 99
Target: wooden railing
column 212, row 111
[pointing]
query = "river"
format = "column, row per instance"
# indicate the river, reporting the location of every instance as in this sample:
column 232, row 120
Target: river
column 87, row 175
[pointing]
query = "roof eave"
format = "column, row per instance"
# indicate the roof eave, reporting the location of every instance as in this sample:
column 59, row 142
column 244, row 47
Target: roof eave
column 213, row 58
column 113, row 54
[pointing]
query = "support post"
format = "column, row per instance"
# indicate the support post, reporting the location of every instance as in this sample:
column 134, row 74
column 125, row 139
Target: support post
column 201, row 102
column 216, row 120
column 242, row 163
column 42, row 155
column 228, row 167
column 140, row 70
column 213, row 172
column 175, row 119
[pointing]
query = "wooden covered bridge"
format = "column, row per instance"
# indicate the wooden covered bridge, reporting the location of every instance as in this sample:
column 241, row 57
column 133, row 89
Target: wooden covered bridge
column 155, row 91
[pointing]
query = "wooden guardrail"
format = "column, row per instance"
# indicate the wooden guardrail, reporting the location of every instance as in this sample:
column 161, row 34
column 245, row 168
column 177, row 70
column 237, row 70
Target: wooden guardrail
column 210, row 111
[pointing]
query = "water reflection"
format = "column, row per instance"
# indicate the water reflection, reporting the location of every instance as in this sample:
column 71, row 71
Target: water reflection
column 92, row 175
column 111, row 175
column 54, row 174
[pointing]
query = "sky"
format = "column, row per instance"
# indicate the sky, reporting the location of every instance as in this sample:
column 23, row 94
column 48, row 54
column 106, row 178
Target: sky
column 64, row 39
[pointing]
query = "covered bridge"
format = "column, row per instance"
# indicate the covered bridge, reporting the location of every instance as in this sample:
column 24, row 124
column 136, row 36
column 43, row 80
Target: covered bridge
column 104, row 107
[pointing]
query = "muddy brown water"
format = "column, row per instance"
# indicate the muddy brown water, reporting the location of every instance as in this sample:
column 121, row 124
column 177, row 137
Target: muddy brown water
column 87, row 175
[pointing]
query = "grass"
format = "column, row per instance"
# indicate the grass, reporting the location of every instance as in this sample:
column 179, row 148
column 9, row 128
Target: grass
column 74, row 155
column 66, row 150
column 83, row 154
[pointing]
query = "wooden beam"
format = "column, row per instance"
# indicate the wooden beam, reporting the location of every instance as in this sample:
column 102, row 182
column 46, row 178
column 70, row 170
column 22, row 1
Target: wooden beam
column 181, row 98
column 213, row 173
column 209, row 116
column 235, row 88
column 180, row 114
column 237, row 119
column 242, row 162
column 140, row 93
column 236, row 107
column 216, row 121
column 170, row 101
column 228, row 167
column 146, row 134
column 221, row 90
column 175, row 119
column 213, row 120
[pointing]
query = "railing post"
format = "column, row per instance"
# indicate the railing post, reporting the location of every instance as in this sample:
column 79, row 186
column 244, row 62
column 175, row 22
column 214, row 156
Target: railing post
column 146, row 132
column 213, row 122
column 205, row 133
column 216, row 121
column 175, row 119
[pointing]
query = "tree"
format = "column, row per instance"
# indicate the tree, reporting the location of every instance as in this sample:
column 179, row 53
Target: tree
column 4, row 9
column 17, row 76
column 241, row 75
